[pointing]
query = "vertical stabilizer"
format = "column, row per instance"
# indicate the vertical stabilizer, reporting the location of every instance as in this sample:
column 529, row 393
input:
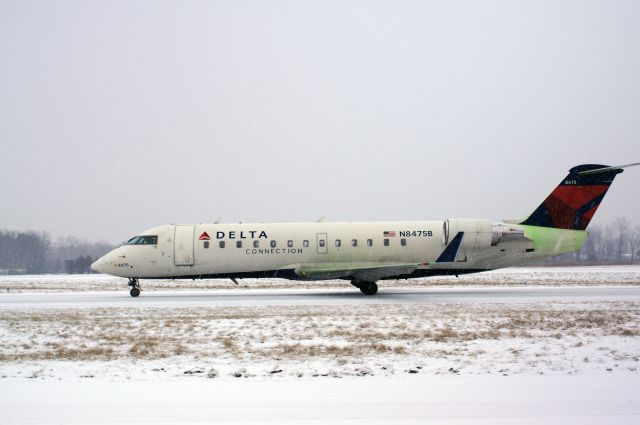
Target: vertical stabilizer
column 573, row 203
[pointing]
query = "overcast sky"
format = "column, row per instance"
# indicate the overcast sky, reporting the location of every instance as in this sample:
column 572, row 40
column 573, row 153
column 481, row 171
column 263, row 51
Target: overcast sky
column 117, row 116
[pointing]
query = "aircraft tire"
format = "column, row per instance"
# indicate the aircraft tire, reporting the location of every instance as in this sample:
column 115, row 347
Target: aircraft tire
column 134, row 292
column 369, row 288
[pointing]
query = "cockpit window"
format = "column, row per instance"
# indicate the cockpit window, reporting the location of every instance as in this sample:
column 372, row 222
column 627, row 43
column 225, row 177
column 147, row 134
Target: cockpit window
column 143, row 240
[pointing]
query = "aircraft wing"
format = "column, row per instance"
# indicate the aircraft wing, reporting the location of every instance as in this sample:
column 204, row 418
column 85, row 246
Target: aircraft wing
column 369, row 273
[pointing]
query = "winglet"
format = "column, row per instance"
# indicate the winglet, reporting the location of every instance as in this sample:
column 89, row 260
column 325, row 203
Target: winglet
column 450, row 252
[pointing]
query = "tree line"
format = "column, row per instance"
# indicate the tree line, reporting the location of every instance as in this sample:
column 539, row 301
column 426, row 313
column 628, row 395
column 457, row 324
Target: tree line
column 35, row 253
column 612, row 243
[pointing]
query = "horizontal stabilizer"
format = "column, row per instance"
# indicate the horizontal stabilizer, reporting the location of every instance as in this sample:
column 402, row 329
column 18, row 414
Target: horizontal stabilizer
column 606, row 169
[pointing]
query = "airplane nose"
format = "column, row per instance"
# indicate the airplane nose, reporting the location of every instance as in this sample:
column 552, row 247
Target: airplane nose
column 98, row 265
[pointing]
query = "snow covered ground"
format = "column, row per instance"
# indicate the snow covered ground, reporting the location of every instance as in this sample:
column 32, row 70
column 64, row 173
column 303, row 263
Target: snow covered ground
column 550, row 400
column 526, row 276
column 489, row 350
column 320, row 340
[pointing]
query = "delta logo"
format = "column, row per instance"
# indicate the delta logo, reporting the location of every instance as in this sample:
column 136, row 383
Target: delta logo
column 204, row 237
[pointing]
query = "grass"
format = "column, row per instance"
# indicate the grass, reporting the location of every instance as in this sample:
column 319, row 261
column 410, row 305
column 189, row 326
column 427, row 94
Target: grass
column 299, row 332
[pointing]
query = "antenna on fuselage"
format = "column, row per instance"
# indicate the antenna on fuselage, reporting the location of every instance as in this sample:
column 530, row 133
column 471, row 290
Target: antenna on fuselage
column 217, row 220
column 321, row 219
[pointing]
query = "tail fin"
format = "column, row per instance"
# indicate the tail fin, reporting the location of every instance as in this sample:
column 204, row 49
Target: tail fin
column 573, row 203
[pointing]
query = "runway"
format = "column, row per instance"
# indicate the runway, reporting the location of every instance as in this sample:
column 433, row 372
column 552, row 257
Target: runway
column 266, row 297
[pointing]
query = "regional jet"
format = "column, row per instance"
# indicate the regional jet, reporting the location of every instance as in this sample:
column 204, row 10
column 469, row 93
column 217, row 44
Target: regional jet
column 364, row 253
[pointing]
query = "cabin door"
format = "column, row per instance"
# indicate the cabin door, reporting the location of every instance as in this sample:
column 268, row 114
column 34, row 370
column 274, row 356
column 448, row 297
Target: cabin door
column 183, row 245
column 321, row 243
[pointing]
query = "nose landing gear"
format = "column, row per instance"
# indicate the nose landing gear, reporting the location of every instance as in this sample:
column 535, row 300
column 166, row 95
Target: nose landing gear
column 135, row 287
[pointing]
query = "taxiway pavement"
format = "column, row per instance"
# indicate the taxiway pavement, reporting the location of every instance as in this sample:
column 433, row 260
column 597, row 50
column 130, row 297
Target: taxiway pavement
column 265, row 297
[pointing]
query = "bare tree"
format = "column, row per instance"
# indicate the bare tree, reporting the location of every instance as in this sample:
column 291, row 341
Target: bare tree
column 68, row 252
column 592, row 246
column 622, row 228
column 634, row 243
column 24, row 251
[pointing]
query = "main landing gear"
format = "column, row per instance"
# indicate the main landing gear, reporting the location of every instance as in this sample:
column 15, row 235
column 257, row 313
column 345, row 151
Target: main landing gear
column 135, row 287
column 367, row 288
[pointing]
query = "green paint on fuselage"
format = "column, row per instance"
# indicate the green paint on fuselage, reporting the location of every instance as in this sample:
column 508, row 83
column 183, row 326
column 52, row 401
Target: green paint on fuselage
column 548, row 241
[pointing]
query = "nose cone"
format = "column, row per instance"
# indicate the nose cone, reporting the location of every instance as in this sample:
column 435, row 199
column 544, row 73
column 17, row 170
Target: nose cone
column 99, row 265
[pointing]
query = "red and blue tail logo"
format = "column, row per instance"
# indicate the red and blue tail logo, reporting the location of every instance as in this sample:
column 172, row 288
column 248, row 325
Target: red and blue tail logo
column 574, row 202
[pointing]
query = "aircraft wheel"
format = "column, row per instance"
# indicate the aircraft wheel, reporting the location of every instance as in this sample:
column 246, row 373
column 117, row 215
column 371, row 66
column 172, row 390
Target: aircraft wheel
column 369, row 288
column 134, row 292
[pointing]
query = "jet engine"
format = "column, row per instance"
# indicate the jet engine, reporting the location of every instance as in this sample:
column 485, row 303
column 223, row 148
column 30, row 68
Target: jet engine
column 479, row 233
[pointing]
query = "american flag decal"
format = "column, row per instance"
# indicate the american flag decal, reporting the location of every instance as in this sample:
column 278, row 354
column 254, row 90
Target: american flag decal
column 388, row 234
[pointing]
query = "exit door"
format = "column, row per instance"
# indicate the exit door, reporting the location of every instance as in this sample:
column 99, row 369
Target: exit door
column 321, row 242
column 183, row 245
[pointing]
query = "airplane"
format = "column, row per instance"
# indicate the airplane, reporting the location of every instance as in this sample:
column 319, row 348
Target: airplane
column 364, row 253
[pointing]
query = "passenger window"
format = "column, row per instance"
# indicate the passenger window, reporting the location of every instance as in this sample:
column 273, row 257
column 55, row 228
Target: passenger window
column 369, row 242
column 206, row 244
column 321, row 243
column 273, row 244
column 256, row 244
column 290, row 244
column 338, row 243
column 403, row 241
column 354, row 242
column 221, row 244
column 386, row 242
column 305, row 244
column 238, row 244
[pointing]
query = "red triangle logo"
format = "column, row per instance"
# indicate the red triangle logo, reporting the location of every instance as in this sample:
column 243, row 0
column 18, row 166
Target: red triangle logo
column 204, row 236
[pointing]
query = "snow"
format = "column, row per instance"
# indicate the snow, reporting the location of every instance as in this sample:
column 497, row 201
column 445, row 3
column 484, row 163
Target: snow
column 489, row 349
column 584, row 400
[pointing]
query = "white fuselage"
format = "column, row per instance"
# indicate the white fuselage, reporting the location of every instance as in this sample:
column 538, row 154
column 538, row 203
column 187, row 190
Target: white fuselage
column 314, row 251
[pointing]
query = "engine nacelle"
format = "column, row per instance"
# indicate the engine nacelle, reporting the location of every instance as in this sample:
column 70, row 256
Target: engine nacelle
column 478, row 233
